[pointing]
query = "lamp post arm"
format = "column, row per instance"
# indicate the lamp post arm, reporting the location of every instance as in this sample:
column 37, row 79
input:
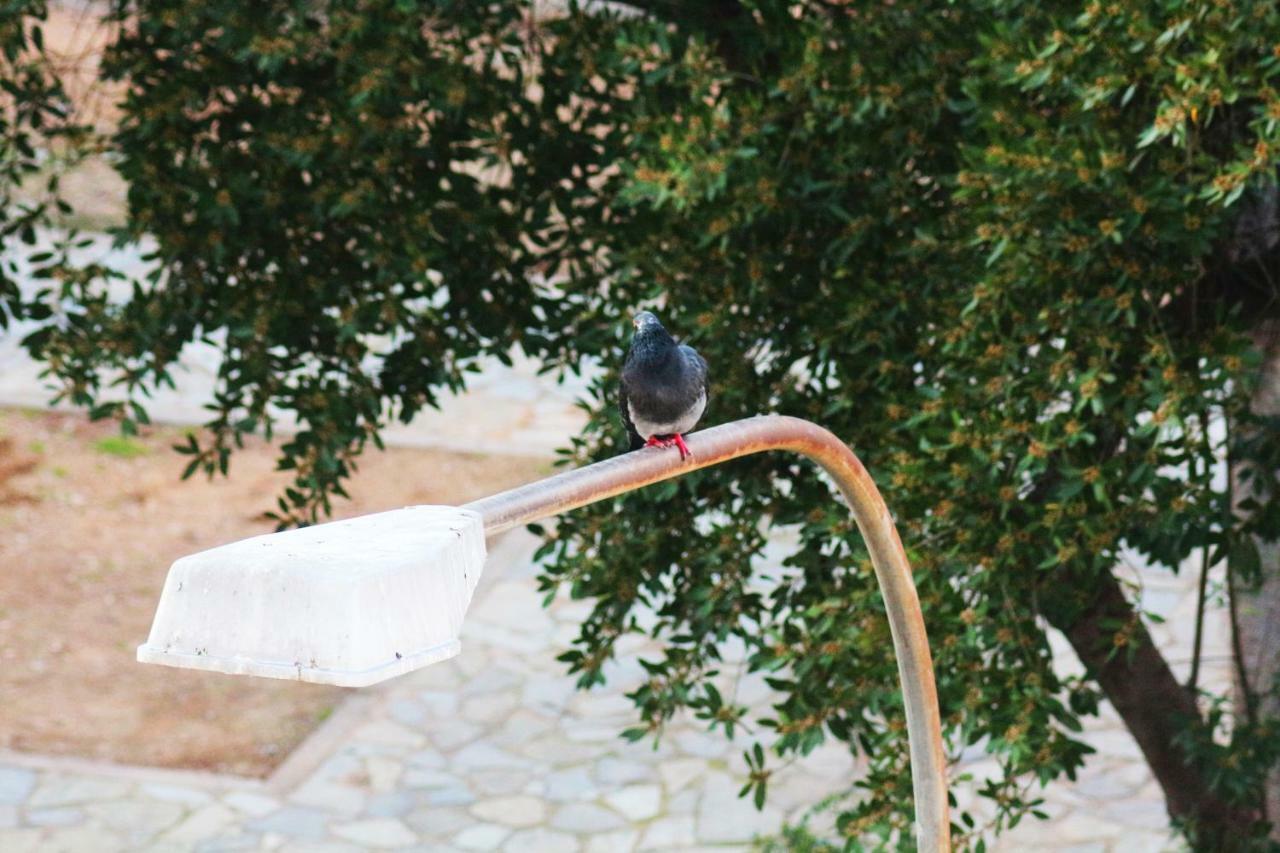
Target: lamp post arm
column 582, row 486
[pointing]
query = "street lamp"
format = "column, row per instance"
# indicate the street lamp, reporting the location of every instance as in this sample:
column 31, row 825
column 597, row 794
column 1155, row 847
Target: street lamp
column 358, row 601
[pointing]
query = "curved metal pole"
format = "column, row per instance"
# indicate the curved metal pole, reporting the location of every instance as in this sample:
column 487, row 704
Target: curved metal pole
column 629, row 471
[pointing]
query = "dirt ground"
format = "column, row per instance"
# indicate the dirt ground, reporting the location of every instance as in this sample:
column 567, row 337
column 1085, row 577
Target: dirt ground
column 89, row 524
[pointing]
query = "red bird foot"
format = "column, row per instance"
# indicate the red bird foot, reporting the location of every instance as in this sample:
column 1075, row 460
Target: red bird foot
column 676, row 440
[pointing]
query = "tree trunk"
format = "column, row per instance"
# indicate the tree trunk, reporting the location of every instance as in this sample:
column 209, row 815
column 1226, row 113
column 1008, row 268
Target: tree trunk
column 1155, row 708
column 1260, row 608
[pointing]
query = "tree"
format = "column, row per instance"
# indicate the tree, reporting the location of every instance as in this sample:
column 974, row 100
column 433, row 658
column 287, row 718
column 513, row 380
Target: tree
column 1005, row 249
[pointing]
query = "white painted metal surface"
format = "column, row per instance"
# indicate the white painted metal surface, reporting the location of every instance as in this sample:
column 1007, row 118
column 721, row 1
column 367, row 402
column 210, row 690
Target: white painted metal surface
column 349, row 603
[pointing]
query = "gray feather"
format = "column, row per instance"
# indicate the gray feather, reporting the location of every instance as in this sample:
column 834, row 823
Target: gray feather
column 664, row 385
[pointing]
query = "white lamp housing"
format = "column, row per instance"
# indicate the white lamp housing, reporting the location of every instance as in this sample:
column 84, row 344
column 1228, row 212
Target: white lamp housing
column 349, row 603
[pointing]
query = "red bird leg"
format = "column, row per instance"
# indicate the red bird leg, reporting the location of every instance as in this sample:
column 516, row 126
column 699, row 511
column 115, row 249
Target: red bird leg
column 654, row 441
column 685, row 452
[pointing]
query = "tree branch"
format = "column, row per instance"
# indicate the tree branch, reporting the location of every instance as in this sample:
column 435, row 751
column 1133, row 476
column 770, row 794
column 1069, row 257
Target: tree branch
column 1197, row 645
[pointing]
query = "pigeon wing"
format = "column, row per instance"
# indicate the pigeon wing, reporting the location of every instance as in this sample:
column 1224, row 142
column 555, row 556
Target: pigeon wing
column 698, row 366
column 624, row 409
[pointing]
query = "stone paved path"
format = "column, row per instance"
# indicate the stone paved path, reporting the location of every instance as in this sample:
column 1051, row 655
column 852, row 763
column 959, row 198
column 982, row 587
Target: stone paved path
column 494, row 750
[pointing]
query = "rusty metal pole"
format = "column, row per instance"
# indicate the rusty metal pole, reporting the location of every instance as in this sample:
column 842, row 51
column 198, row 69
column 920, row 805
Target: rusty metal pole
column 718, row 444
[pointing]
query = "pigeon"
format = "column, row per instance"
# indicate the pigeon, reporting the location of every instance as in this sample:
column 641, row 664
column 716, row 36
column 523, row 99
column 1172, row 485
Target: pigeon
column 664, row 387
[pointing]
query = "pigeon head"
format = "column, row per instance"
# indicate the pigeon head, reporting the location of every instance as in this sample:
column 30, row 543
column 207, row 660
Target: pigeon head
column 645, row 321
column 652, row 341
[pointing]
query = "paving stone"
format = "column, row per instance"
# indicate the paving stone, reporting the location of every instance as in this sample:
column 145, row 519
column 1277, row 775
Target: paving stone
column 668, row 832
column 615, row 772
column 1102, row 786
column 383, row 833
column 439, row 822
column 511, row 811
column 254, row 805
column 575, row 783
column 476, row 660
column 408, row 713
column 80, row 839
column 490, row 708
column 343, row 800
column 541, row 840
column 485, row 756
column 1074, row 828
column 361, row 751
column 430, row 757
column 509, row 603
column 552, row 749
column 63, row 790
column 832, row 760
column 572, row 612
column 392, row 804
column 1115, row 744
column 496, row 783
column 482, row 837
column 429, row 778
column 331, row 846
column 20, row 840
column 585, row 818
column 550, row 695
column 443, row 676
column 345, row 764
column 1153, row 842
column 229, row 843
column 622, row 841
column 390, row 733
column 703, row 745
column 523, row 724
column 294, row 822
column 16, row 783
column 564, row 636
column 454, row 795
column 636, row 802
column 1137, row 815
column 450, row 734
column 683, row 803
column 495, row 678
column 177, row 794
column 438, row 703
column 64, row 816
column 383, row 773
column 725, row 817
column 598, row 704
column 201, row 824
column 592, row 732
column 754, row 691
column 679, row 772
column 626, row 671
column 153, row 816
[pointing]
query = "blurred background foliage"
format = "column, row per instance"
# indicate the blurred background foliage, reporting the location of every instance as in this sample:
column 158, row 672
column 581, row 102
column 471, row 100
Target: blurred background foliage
column 1021, row 256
